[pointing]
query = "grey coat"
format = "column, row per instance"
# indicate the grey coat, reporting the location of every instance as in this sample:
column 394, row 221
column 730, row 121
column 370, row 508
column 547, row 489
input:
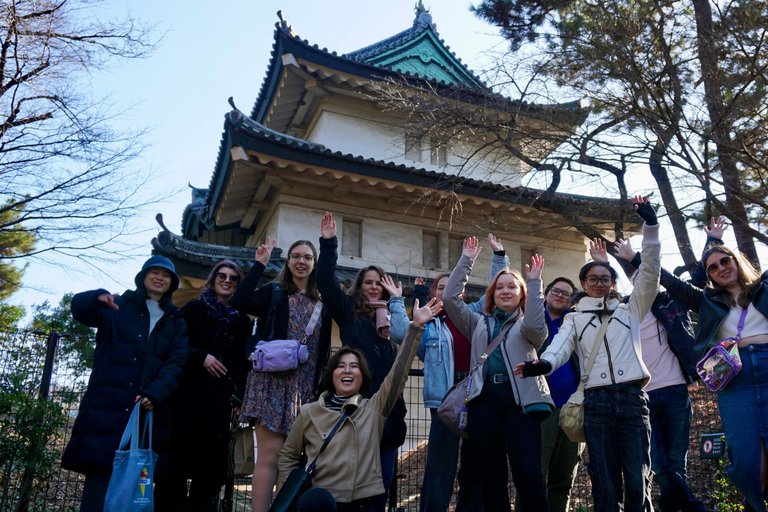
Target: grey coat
column 523, row 333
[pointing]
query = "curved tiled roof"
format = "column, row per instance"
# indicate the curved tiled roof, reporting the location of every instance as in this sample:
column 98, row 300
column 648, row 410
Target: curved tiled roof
column 356, row 65
column 421, row 24
column 239, row 129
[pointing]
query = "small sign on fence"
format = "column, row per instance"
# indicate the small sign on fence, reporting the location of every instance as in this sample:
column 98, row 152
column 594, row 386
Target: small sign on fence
column 712, row 446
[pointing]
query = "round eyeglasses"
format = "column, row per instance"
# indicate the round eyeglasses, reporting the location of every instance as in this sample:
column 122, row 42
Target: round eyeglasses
column 593, row 280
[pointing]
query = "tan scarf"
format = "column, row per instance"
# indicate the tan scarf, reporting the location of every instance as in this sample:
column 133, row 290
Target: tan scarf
column 382, row 317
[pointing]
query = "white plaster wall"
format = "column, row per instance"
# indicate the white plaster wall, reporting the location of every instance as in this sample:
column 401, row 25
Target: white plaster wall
column 372, row 135
column 357, row 133
column 299, row 224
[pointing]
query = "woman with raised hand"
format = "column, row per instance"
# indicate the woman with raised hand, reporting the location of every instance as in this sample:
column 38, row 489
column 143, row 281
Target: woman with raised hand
column 616, row 423
column 215, row 371
column 372, row 319
column 733, row 285
column 446, row 355
column 284, row 308
column 348, row 473
column 503, row 421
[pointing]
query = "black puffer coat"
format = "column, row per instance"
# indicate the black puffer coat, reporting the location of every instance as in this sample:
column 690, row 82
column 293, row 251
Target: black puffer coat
column 202, row 408
column 128, row 362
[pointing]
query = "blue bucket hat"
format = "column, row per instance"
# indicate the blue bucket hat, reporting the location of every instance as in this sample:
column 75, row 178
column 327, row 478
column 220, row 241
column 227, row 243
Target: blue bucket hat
column 160, row 262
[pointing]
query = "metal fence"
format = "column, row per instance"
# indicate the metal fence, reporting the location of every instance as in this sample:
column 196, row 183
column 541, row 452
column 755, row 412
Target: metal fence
column 43, row 377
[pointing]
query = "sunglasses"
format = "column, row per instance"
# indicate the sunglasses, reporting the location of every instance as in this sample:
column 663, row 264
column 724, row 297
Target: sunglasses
column 716, row 266
column 221, row 276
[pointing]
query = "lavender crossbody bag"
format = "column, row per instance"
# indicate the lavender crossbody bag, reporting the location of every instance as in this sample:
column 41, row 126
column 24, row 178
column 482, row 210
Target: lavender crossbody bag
column 285, row 355
column 722, row 362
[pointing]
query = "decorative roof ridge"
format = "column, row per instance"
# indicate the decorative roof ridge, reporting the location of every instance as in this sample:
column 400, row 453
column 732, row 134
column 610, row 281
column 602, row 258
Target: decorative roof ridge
column 422, row 22
column 239, row 120
column 483, row 90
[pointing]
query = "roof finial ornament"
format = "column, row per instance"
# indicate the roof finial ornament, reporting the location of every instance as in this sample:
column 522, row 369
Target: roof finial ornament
column 423, row 17
column 284, row 25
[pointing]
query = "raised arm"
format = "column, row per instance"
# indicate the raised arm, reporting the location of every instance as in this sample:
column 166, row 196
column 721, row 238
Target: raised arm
column 392, row 387
column 534, row 325
column 399, row 318
column 715, row 234
column 246, row 298
column 646, row 285
column 461, row 316
column 333, row 296
column 498, row 263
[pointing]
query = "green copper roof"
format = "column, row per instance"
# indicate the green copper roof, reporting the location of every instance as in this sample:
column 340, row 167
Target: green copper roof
column 419, row 51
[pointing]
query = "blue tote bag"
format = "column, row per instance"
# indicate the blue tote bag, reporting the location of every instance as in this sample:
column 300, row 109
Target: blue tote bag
column 130, row 487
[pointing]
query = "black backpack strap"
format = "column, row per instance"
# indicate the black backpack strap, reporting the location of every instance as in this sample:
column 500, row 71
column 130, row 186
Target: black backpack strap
column 269, row 320
column 265, row 329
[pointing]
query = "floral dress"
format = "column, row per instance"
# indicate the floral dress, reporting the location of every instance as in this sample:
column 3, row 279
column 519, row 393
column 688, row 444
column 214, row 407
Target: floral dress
column 273, row 399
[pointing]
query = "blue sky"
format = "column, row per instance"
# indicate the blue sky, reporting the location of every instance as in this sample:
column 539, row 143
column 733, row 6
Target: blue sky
column 211, row 51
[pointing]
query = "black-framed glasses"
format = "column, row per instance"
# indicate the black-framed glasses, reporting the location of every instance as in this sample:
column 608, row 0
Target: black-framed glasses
column 716, row 266
column 221, row 276
column 593, row 280
column 294, row 256
column 560, row 293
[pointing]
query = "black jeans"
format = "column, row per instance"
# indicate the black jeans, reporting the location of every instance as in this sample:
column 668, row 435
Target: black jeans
column 320, row 500
column 499, row 431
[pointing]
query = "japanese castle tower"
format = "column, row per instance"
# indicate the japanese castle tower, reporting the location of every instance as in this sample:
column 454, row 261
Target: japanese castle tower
column 316, row 140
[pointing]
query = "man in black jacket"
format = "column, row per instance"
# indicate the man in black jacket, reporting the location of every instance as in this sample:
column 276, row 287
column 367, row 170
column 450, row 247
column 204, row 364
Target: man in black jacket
column 141, row 346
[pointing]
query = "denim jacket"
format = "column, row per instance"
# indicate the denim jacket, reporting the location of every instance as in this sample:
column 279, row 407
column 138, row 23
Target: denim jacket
column 436, row 349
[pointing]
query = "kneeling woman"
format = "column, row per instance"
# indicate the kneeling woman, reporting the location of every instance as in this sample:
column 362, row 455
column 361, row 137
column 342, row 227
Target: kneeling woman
column 616, row 418
column 349, row 470
column 504, row 419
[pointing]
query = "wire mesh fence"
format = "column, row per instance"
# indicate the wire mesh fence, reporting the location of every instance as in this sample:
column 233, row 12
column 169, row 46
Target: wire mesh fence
column 35, row 426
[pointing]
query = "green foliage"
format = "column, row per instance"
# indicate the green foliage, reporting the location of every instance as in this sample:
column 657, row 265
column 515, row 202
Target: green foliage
column 11, row 315
column 15, row 241
column 727, row 498
column 28, row 427
column 79, row 345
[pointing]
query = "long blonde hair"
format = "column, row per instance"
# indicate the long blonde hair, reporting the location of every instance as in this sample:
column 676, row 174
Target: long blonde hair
column 747, row 276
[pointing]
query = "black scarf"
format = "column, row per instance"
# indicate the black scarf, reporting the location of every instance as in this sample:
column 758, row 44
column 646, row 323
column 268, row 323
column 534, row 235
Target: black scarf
column 225, row 316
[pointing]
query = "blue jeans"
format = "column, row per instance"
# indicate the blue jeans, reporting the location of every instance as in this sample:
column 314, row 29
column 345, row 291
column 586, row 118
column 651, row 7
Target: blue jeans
column 671, row 410
column 440, row 472
column 618, row 433
column 500, row 432
column 744, row 412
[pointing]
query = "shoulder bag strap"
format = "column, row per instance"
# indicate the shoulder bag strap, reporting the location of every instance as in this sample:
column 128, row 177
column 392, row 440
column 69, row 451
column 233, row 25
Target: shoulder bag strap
column 742, row 318
column 312, row 322
column 492, row 345
column 595, row 349
column 336, row 427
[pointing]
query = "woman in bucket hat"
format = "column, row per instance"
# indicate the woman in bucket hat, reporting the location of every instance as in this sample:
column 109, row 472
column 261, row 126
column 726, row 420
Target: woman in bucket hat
column 141, row 346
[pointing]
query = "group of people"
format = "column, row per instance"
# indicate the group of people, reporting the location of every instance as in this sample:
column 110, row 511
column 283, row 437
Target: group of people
column 191, row 367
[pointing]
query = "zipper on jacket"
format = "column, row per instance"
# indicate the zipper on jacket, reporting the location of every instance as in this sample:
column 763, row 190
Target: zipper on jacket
column 608, row 352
